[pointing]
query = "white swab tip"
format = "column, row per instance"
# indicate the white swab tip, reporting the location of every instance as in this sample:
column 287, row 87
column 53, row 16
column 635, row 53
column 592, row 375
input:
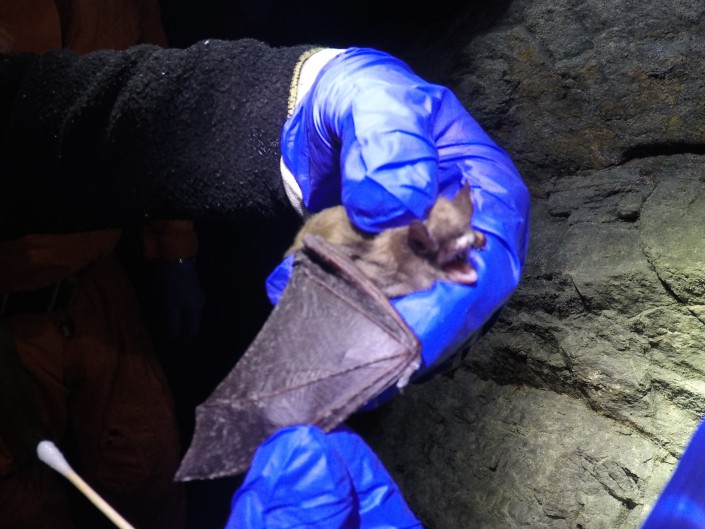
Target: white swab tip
column 52, row 456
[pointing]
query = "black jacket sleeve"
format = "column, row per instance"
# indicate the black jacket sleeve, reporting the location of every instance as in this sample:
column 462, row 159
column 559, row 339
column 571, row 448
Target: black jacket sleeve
column 114, row 138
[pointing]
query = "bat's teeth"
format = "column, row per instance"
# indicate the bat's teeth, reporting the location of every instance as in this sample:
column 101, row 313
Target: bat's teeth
column 466, row 241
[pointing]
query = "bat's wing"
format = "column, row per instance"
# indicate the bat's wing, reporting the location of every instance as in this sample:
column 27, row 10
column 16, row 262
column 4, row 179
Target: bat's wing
column 332, row 343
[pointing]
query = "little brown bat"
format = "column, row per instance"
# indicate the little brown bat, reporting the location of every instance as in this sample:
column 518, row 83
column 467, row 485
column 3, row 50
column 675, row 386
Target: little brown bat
column 409, row 258
column 293, row 372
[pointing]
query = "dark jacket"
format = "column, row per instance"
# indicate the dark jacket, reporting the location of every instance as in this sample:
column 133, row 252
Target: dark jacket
column 110, row 138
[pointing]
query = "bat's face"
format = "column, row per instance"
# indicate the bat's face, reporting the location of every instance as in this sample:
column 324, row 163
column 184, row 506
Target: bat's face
column 446, row 237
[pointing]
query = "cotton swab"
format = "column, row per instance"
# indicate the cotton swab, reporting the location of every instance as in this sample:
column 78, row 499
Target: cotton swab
column 52, row 456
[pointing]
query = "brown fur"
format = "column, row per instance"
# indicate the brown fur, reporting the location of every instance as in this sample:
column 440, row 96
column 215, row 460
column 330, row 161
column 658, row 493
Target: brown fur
column 409, row 258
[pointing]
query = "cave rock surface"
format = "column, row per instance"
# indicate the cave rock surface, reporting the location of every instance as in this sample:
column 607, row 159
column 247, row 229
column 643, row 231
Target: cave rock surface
column 573, row 411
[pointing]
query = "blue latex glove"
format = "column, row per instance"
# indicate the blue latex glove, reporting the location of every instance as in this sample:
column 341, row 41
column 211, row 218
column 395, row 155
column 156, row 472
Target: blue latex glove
column 178, row 299
column 372, row 135
column 303, row 478
column 681, row 505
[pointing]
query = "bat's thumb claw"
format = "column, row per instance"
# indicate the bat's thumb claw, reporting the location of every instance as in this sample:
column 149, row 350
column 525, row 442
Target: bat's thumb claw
column 407, row 373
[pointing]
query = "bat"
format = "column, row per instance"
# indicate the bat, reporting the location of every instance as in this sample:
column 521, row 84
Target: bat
column 409, row 258
column 334, row 341
column 331, row 344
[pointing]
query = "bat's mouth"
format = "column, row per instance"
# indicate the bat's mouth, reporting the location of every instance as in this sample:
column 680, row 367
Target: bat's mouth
column 460, row 271
column 454, row 259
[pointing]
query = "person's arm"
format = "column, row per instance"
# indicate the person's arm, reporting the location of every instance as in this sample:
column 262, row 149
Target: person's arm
column 112, row 138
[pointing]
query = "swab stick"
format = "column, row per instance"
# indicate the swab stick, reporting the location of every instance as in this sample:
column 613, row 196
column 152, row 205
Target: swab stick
column 52, row 456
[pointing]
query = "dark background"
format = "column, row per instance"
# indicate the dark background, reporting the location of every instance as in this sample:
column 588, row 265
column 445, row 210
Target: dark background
column 394, row 25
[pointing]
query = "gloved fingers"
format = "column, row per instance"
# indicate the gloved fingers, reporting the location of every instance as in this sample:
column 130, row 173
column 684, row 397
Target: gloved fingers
column 376, row 137
column 296, row 480
column 389, row 160
column 402, row 141
column 363, row 131
column 466, row 152
column 409, row 142
column 301, row 477
column 381, row 503
column 681, row 504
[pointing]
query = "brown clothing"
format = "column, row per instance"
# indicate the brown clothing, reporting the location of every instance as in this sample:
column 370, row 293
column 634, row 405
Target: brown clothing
column 98, row 384
column 80, row 25
column 102, row 386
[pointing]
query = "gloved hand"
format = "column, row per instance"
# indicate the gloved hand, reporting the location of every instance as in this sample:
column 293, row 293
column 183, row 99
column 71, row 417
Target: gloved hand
column 301, row 477
column 177, row 299
column 384, row 142
column 681, row 505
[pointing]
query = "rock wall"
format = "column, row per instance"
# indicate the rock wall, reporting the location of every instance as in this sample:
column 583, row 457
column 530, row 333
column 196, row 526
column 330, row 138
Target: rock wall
column 574, row 410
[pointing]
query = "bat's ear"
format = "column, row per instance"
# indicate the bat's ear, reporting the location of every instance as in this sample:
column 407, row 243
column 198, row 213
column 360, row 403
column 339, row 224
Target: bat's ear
column 463, row 200
column 421, row 239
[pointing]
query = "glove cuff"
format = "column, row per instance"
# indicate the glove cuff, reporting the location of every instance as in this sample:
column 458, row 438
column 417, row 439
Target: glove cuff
column 306, row 71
